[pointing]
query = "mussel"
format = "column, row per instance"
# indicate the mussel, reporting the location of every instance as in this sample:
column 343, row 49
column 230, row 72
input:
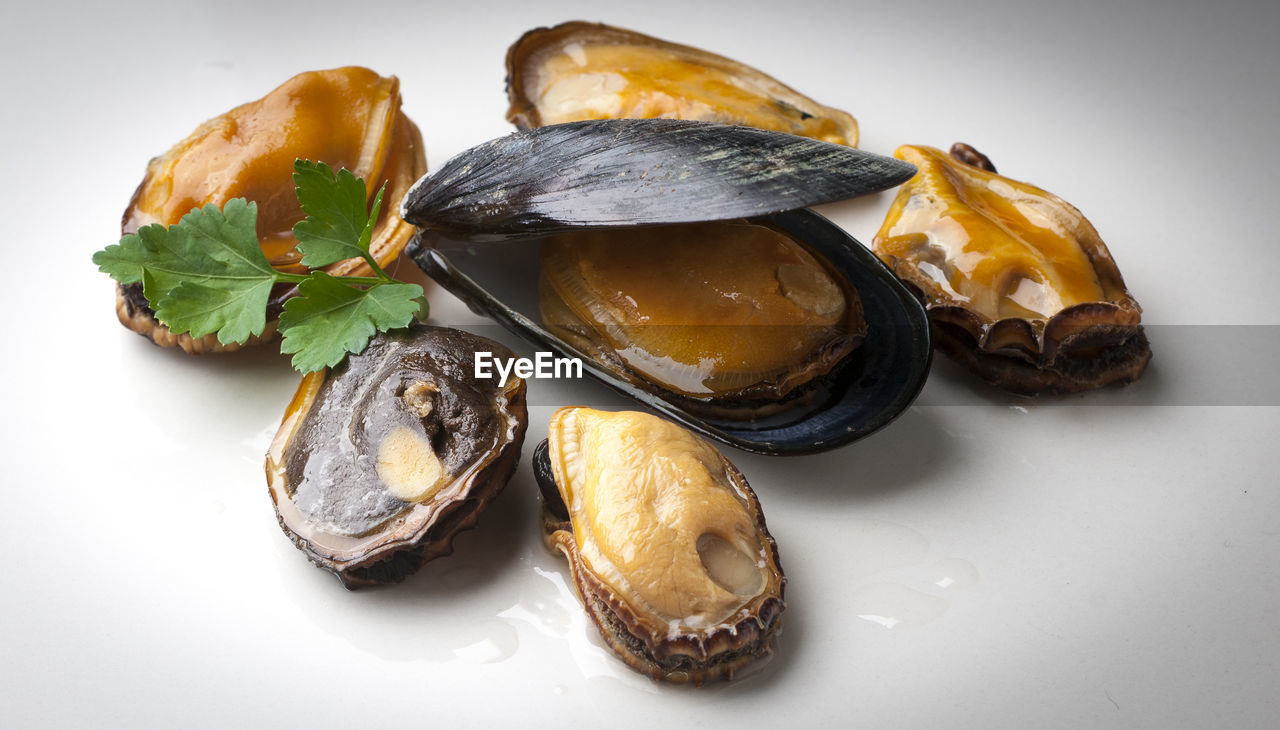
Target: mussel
column 1018, row 284
column 666, row 543
column 731, row 320
column 856, row 342
column 380, row 461
column 346, row 117
column 578, row 71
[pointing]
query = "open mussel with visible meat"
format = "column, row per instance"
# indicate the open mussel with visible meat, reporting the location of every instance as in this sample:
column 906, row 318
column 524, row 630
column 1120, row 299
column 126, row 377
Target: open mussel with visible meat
column 832, row 346
column 732, row 320
column 576, row 71
column 346, row 117
column 380, row 461
column 1018, row 284
column 666, row 543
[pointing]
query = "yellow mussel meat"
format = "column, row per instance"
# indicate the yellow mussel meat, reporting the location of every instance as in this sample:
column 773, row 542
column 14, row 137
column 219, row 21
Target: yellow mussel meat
column 726, row 318
column 346, row 117
column 666, row 543
column 1018, row 284
column 578, row 71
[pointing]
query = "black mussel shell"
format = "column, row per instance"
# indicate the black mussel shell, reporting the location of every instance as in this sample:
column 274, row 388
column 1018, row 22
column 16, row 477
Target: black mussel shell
column 875, row 384
column 552, row 502
column 633, row 172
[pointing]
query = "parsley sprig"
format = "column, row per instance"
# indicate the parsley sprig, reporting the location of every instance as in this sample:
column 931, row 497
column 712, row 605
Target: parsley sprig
column 207, row 273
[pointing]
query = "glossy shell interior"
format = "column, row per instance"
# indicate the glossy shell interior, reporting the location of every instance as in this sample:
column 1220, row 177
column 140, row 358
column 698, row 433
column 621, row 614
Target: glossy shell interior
column 347, row 117
column 578, row 70
column 346, row 469
column 706, row 595
column 874, row 384
column 1018, row 283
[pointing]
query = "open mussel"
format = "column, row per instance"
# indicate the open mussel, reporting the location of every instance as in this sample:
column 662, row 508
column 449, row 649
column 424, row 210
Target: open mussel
column 346, row 117
column 857, row 346
column 732, row 320
column 666, row 543
column 380, row 461
column 1018, row 284
column 578, row 71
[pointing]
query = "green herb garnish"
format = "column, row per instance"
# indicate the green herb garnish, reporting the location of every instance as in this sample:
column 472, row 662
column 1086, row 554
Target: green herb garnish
column 207, row 273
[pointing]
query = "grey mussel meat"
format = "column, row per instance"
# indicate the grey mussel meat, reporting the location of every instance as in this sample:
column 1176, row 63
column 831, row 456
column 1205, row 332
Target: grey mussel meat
column 382, row 460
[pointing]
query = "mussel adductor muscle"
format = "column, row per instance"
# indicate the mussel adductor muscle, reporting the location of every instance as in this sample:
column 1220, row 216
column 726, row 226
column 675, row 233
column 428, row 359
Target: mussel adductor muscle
column 380, row 461
column 1018, row 284
column 633, row 172
column 578, row 70
column 666, row 543
column 346, row 117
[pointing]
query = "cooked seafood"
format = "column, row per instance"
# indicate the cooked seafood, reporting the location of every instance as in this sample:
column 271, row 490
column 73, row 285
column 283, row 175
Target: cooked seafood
column 729, row 319
column 1019, row 286
column 578, row 71
column 617, row 175
column 666, row 543
column 379, row 462
column 710, row 314
column 347, row 117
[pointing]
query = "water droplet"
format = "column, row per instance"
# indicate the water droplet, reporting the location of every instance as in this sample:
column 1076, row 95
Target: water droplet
column 951, row 573
column 896, row 606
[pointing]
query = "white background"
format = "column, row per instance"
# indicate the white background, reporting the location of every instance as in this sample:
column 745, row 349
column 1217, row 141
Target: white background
column 1105, row 560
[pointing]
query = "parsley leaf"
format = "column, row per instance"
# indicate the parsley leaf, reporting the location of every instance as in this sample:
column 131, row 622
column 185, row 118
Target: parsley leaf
column 124, row 261
column 207, row 273
column 235, row 313
column 202, row 274
column 329, row 318
column 337, row 226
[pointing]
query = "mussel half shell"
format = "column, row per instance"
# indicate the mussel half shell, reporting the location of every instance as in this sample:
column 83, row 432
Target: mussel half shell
column 347, row 117
column 878, row 381
column 634, row 172
column 580, row 70
column 381, row 461
column 1019, row 285
column 666, row 543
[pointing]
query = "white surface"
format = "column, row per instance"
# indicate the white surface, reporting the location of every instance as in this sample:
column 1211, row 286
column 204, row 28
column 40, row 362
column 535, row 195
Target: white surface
column 1113, row 557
